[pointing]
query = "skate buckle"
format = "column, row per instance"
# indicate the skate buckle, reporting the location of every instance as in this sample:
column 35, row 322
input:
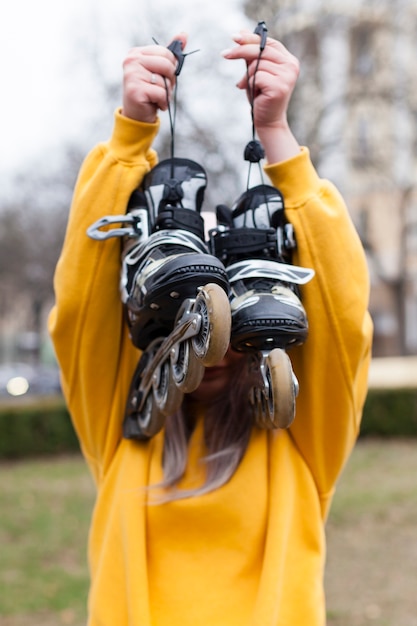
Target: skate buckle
column 138, row 221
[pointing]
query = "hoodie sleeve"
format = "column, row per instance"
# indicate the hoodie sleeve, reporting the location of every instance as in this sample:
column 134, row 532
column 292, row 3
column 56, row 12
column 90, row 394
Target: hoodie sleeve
column 332, row 365
column 95, row 354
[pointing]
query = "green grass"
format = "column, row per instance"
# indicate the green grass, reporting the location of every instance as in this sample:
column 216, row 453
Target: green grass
column 372, row 538
column 379, row 475
column 45, row 508
column 371, row 570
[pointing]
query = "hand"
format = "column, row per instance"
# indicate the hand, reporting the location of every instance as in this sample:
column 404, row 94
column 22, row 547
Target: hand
column 275, row 80
column 148, row 80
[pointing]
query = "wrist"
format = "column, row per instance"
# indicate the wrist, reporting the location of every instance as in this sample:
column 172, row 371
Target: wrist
column 145, row 113
column 278, row 142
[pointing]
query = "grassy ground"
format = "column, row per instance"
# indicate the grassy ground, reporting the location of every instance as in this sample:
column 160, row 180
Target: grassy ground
column 372, row 540
column 45, row 507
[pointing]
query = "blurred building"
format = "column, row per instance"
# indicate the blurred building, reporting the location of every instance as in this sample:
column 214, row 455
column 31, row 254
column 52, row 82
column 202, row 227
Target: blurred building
column 355, row 106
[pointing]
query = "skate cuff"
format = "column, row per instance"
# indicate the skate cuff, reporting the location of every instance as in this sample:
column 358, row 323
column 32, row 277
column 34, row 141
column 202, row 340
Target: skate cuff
column 296, row 179
column 131, row 140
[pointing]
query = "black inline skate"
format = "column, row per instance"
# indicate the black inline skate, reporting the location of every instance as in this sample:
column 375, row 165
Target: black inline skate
column 254, row 241
column 174, row 291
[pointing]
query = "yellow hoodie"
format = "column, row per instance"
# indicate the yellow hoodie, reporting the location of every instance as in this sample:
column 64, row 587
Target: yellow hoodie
column 251, row 553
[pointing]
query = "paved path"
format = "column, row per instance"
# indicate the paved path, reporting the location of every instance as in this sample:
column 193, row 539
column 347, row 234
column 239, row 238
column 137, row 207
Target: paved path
column 393, row 373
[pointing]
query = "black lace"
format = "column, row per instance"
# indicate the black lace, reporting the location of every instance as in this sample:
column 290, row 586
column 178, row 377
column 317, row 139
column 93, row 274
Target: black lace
column 254, row 151
column 176, row 49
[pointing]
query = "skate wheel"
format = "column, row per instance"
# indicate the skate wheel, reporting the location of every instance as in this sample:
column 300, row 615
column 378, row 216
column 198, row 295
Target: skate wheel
column 280, row 399
column 166, row 395
column 187, row 370
column 150, row 419
column 212, row 341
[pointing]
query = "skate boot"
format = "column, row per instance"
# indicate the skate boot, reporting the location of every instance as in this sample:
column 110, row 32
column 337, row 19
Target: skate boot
column 174, row 292
column 254, row 241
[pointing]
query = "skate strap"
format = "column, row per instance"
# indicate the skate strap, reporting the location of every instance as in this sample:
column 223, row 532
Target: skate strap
column 254, row 150
column 274, row 270
column 183, row 219
column 245, row 241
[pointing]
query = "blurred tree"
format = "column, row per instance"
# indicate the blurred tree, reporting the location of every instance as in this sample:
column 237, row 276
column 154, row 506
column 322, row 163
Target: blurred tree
column 354, row 106
column 32, row 227
column 33, row 219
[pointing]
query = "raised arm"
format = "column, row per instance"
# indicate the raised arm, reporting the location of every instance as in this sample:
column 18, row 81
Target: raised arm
column 94, row 351
column 332, row 365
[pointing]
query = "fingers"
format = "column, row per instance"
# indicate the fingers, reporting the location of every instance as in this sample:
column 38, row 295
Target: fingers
column 248, row 49
column 148, row 80
column 144, row 61
column 160, row 60
column 269, row 79
column 275, row 60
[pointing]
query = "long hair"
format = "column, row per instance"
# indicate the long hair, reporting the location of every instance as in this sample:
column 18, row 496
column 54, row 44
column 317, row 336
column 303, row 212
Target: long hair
column 228, row 423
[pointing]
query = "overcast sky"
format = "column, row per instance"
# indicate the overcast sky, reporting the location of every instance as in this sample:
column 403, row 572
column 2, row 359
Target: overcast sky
column 47, row 94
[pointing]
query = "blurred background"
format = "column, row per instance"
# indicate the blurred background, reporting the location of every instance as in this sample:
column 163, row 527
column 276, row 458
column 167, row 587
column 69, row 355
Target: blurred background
column 355, row 107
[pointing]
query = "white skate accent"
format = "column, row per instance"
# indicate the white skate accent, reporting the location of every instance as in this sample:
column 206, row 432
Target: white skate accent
column 243, row 302
column 263, row 268
column 162, row 238
column 261, row 216
column 190, row 189
column 283, row 295
column 140, row 251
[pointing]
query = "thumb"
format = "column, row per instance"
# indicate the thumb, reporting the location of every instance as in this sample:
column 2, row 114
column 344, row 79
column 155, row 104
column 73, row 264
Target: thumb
column 243, row 83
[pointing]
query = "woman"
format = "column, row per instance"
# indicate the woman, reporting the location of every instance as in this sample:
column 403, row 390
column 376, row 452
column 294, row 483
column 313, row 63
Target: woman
column 243, row 544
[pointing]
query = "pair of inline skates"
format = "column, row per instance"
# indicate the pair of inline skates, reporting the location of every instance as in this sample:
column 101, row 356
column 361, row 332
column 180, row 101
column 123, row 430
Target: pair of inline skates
column 188, row 296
